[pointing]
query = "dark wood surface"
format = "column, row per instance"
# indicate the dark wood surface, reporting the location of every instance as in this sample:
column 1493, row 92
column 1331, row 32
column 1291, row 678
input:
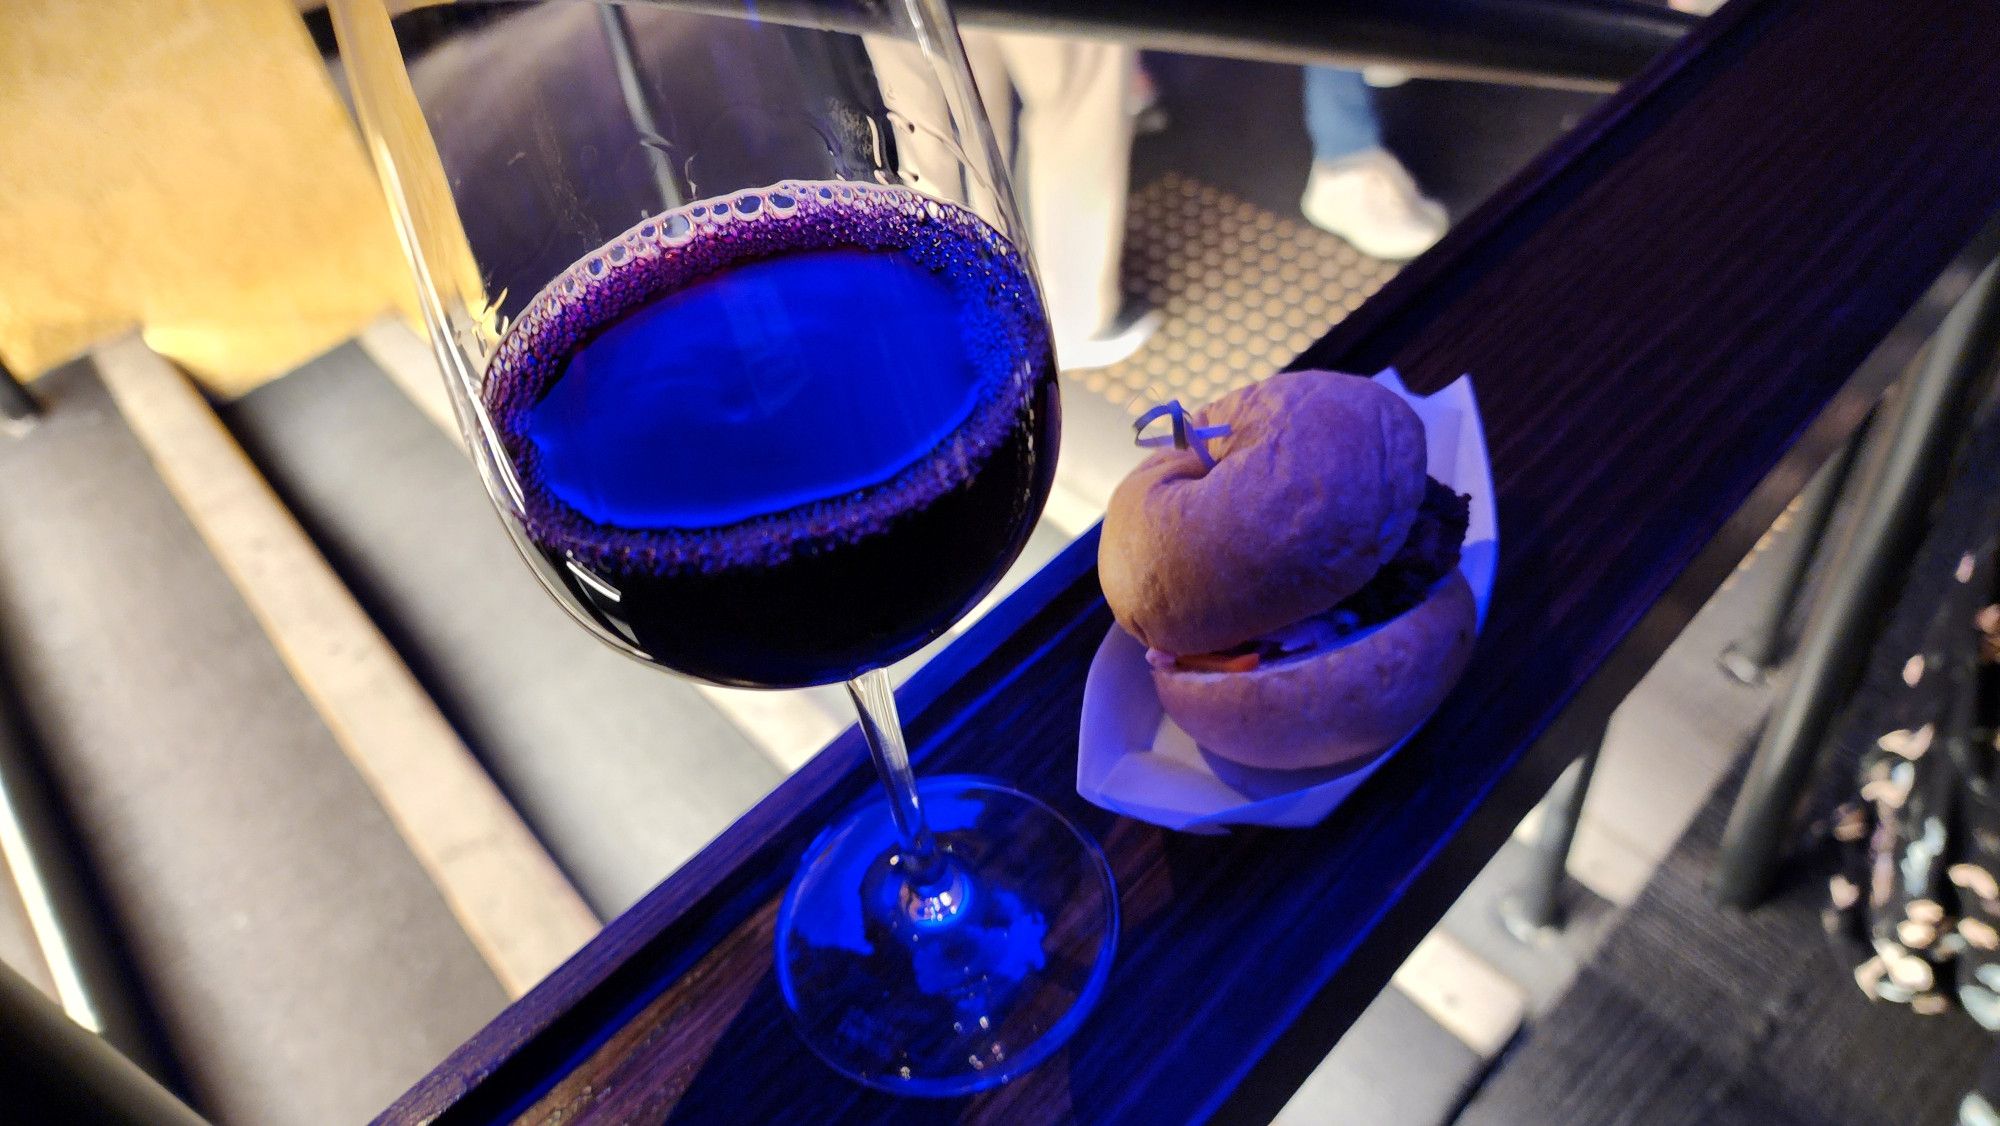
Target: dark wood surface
column 1662, row 316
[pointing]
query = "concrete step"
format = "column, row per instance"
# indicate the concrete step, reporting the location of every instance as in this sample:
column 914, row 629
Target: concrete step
column 1395, row 1066
column 304, row 966
column 624, row 772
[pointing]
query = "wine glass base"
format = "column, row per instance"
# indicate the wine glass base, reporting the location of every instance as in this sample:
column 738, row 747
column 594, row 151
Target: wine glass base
column 904, row 997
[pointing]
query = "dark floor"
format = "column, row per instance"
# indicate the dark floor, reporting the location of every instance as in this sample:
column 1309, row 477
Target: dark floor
column 1690, row 1014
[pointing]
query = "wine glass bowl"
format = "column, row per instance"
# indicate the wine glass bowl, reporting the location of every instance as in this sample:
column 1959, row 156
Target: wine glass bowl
column 883, row 353
column 740, row 328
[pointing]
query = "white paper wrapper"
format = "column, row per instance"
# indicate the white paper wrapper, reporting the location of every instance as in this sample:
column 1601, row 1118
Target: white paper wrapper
column 1133, row 759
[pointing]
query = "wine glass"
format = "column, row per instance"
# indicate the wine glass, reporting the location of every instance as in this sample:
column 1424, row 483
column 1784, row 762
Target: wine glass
column 736, row 316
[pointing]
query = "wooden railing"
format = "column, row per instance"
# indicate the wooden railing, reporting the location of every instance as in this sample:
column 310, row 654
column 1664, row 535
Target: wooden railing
column 1664, row 316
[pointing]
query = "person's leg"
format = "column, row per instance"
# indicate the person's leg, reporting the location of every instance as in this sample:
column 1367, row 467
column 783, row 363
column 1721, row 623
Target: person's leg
column 989, row 72
column 927, row 152
column 1073, row 170
column 1358, row 189
column 1340, row 113
column 924, row 158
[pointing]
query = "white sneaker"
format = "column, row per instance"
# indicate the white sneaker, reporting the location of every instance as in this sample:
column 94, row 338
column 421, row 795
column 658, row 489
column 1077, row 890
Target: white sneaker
column 1370, row 200
column 1385, row 77
column 1115, row 343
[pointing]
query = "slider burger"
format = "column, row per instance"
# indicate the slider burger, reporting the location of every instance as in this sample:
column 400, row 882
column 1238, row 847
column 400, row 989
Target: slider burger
column 1300, row 601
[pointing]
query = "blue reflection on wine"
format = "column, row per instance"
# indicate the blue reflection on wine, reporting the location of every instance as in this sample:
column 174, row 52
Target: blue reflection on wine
column 837, row 367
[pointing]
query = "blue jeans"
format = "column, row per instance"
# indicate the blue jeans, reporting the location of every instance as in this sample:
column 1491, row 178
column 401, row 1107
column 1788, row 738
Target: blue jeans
column 1340, row 113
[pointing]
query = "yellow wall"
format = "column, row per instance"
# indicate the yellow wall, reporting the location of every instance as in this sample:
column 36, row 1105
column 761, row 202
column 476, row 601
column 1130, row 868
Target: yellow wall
column 184, row 165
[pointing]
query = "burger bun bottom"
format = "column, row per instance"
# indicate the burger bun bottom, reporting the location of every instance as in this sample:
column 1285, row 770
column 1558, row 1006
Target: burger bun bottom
column 1338, row 705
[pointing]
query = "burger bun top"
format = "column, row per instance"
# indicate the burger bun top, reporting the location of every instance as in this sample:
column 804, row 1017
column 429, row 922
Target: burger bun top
column 1314, row 489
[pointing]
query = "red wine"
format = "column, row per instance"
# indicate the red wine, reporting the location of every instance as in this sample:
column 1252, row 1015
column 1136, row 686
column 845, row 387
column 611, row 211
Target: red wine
column 781, row 438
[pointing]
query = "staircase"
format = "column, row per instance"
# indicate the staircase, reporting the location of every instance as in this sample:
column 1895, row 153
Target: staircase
column 302, row 964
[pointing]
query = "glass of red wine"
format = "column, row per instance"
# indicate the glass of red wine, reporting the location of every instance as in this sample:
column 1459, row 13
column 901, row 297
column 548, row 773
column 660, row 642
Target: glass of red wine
column 740, row 328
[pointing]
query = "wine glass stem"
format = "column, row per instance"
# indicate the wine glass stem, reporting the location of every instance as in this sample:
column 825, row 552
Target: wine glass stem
column 875, row 700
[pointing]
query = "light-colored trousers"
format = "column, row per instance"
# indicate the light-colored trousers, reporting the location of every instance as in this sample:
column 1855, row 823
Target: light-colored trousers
column 1070, row 151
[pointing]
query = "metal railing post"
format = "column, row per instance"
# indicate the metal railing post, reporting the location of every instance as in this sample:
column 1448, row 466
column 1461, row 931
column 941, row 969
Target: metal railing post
column 1768, row 641
column 1921, row 426
column 1535, row 911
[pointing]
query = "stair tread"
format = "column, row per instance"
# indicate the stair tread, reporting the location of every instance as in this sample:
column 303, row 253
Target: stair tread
column 622, row 770
column 1394, row 1065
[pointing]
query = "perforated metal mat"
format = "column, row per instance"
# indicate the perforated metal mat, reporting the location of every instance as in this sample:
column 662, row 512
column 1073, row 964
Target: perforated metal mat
column 1243, row 290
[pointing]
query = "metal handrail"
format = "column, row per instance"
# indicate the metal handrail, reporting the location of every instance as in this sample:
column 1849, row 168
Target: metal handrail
column 1569, row 44
column 1920, row 431
column 54, row 1071
column 1572, row 44
column 93, row 984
